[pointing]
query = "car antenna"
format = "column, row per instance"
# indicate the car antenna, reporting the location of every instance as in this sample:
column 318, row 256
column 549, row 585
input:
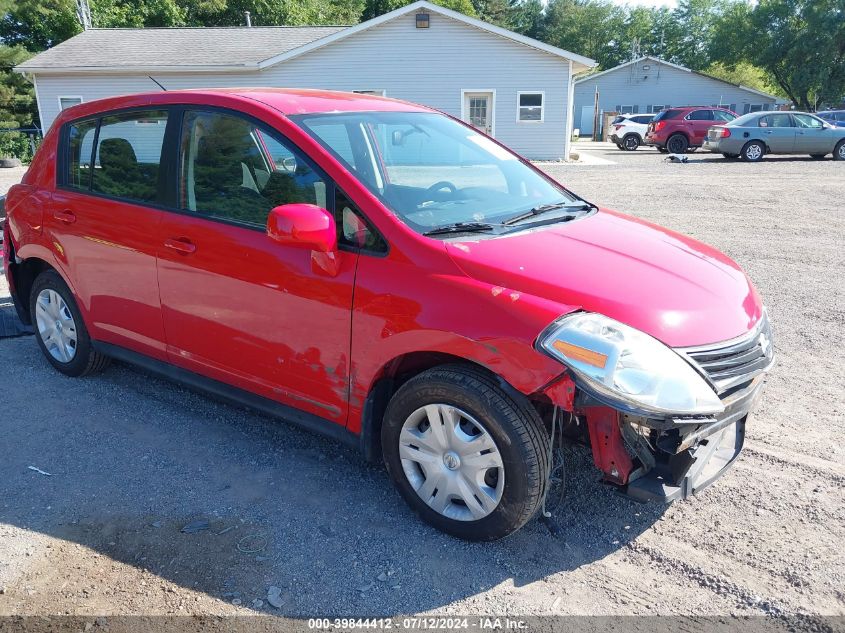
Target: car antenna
column 157, row 83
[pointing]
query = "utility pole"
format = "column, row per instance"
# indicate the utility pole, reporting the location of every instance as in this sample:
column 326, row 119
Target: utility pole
column 83, row 14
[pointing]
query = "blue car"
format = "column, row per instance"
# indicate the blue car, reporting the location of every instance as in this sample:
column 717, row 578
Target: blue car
column 834, row 117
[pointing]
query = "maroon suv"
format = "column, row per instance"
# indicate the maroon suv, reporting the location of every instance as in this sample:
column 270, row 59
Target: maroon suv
column 676, row 130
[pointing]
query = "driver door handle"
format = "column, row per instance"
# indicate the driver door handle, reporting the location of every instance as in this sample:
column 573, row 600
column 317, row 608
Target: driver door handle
column 181, row 245
column 68, row 217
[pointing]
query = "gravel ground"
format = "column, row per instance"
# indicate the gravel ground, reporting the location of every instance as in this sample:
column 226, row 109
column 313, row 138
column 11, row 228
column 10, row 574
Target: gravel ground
column 132, row 460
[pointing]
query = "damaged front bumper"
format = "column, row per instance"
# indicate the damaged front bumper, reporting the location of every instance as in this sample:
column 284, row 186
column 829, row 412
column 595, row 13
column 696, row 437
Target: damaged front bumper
column 668, row 459
column 687, row 455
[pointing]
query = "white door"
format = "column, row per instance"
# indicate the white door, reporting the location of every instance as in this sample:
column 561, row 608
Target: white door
column 587, row 113
column 478, row 110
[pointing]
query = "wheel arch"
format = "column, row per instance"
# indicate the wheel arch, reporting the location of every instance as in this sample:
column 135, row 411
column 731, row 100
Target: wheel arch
column 396, row 373
column 24, row 274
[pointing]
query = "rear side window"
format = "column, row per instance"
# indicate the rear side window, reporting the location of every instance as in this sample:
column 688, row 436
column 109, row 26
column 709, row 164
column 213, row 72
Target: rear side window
column 776, row 120
column 80, row 143
column 128, row 155
column 117, row 155
column 700, row 115
column 721, row 115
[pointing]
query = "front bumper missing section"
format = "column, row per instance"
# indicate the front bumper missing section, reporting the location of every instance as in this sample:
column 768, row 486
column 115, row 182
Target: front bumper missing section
column 673, row 458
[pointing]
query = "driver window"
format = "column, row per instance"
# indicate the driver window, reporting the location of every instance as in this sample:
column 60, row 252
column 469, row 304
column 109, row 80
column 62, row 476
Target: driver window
column 807, row 121
column 231, row 169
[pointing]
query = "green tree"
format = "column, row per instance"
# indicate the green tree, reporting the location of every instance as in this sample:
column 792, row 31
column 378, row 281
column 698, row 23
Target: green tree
column 695, row 24
column 745, row 74
column 587, row 27
column 375, row 8
column 498, row 12
column 527, row 17
column 17, row 104
column 38, row 24
column 800, row 43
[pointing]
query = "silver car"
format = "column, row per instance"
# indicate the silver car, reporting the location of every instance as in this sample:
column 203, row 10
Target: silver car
column 752, row 136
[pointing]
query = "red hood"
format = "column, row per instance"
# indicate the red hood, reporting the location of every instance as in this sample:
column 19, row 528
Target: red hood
column 672, row 287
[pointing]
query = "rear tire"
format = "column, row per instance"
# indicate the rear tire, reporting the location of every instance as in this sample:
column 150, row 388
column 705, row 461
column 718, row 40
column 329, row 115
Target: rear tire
column 677, row 144
column 631, row 142
column 467, row 405
column 839, row 152
column 59, row 328
column 753, row 152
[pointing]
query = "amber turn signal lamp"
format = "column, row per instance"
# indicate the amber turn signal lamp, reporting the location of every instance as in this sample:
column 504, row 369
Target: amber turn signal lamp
column 581, row 354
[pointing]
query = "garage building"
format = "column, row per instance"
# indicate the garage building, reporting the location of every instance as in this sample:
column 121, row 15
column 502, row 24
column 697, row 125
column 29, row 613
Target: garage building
column 516, row 88
column 647, row 85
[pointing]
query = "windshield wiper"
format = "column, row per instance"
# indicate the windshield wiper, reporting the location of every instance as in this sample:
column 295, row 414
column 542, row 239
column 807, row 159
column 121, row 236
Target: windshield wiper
column 545, row 208
column 460, row 227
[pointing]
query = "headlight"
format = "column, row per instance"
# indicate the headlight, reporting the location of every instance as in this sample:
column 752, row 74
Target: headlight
column 625, row 364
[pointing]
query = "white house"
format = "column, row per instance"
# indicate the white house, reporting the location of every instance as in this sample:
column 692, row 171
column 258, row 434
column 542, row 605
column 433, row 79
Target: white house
column 649, row 84
column 516, row 88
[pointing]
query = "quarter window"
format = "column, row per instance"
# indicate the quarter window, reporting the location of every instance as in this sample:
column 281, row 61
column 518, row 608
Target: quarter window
column 531, row 106
column 233, row 170
column 128, row 155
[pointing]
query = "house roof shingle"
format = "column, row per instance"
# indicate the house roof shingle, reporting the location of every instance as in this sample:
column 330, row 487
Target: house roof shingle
column 177, row 47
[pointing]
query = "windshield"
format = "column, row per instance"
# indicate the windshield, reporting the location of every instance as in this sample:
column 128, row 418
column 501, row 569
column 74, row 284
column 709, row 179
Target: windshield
column 432, row 171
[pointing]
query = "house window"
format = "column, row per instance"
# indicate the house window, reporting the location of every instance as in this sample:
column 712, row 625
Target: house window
column 753, row 107
column 378, row 93
column 69, row 102
column 627, row 109
column 654, row 109
column 531, row 106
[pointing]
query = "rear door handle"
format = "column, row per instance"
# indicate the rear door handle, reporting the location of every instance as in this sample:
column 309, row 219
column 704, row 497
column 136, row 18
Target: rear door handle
column 67, row 217
column 180, row 244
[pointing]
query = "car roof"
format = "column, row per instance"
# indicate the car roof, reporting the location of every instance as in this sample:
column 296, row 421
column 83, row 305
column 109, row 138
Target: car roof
column 699, row 107
column 286, row 101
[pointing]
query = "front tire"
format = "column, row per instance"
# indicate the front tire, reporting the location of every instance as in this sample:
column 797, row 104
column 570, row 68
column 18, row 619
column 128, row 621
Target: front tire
column 467, row 456
column 839, row 151
column 753, row 152
column 59, row 328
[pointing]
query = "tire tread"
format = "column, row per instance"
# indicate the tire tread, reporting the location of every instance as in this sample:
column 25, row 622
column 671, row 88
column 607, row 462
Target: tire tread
column 523, row 419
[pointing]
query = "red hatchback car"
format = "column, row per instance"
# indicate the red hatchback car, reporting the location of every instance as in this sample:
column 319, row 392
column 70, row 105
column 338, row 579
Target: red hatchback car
column 387, row 275
column 677, row 130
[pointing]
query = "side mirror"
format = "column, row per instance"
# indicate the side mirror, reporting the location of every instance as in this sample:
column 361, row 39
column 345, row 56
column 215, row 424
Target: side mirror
column 304, row 226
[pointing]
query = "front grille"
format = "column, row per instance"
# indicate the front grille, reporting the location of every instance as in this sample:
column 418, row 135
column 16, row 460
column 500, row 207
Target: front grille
column 734, row 363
